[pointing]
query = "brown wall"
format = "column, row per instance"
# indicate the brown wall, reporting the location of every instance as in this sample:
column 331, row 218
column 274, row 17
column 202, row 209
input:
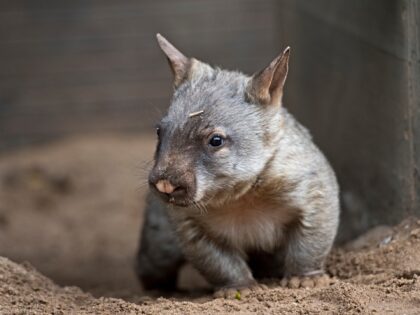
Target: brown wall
column 74, row 67
column 71, row 67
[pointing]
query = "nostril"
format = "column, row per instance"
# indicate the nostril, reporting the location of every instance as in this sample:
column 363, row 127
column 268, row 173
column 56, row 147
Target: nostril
column 179, row 191
column 164, row 186
column 179, row 188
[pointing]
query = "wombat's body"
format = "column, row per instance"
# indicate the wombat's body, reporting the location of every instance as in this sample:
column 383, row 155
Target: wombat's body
column 242, row 190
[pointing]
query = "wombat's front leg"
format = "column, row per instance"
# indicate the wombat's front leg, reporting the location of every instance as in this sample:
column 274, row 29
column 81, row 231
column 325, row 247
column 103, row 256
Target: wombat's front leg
column 160, row 255
column 223, row 267
column 306, row 250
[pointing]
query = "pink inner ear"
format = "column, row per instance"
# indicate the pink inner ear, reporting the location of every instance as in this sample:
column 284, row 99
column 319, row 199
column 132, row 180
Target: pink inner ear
column 267, row 85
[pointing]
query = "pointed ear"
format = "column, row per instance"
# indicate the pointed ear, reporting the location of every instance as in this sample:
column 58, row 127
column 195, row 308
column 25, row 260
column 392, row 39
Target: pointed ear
column 266, row 86
column 179, row 64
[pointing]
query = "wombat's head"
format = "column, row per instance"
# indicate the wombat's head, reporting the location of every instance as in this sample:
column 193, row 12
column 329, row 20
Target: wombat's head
column 218, row 134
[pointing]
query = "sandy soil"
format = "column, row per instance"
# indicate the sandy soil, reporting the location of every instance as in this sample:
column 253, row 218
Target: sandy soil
column 73, row 211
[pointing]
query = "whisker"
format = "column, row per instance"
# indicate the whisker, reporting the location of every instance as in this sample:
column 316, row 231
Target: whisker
column 143, row 169
column 142, row 185
column 197, row 206
column 143, row 165
column 203, row 207
column 211, row 198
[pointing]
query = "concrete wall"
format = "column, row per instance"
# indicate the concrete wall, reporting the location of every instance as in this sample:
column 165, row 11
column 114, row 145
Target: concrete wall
column 413, row 29
column 354, row 82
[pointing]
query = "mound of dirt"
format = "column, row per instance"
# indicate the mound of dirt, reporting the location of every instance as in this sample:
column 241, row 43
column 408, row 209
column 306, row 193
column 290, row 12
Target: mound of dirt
column 23, row 290
column 73, row 211
column 383, row 278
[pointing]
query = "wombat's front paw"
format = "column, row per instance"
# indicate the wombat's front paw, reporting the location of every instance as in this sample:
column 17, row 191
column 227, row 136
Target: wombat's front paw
column 309, row 281
column 239, row 292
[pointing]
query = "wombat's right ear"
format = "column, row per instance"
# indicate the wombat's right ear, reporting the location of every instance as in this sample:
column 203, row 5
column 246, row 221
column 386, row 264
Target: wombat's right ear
column 266, row 86
column 179, row 64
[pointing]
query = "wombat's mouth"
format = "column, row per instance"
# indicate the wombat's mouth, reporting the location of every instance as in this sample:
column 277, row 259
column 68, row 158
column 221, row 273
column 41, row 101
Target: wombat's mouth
column 180, row 203
column 171, row 199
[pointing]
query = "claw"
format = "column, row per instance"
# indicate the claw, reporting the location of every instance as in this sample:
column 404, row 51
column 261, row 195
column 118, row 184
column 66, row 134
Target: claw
column 307, row 281
column 239, row 292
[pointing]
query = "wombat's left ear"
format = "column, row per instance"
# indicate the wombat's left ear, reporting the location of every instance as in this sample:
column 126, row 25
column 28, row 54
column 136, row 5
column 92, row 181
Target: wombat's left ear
column 266, row 86
column 179, row 64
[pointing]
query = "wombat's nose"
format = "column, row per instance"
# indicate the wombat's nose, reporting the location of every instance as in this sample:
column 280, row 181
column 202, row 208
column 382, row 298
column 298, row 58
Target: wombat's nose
column 164, row 186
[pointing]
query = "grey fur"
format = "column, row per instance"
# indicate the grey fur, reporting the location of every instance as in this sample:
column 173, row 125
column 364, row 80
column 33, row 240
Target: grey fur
column 267, row 200
column 161, row 255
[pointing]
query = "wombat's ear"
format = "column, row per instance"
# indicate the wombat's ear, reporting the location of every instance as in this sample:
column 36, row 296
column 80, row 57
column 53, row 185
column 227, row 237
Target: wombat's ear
column 179, row 64
column 266, row 86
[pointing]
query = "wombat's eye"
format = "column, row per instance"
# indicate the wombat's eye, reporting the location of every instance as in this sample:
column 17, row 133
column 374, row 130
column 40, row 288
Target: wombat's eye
column 158, row 131
column 216, row 141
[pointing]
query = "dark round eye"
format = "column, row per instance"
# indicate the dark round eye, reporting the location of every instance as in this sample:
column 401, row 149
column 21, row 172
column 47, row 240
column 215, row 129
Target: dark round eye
column 158, row 131
column 216, row 141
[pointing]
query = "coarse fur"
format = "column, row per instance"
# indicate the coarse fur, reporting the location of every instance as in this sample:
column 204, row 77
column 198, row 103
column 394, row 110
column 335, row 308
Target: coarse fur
column 264, row 204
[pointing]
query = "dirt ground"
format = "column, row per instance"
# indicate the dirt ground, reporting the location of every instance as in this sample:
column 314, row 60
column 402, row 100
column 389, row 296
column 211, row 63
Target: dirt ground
column 70, row 214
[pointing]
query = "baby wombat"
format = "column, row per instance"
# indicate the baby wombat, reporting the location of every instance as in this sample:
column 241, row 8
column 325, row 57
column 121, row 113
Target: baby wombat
column 238, row 187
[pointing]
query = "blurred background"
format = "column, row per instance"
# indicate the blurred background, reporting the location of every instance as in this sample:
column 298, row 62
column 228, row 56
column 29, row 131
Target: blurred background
column 82, row 84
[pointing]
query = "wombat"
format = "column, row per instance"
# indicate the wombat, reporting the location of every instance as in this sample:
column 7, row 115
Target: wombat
column 238, row 188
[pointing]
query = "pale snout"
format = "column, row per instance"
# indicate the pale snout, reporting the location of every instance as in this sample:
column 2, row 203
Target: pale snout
column 174, row 185
column 175, row 189
column 164, row 186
